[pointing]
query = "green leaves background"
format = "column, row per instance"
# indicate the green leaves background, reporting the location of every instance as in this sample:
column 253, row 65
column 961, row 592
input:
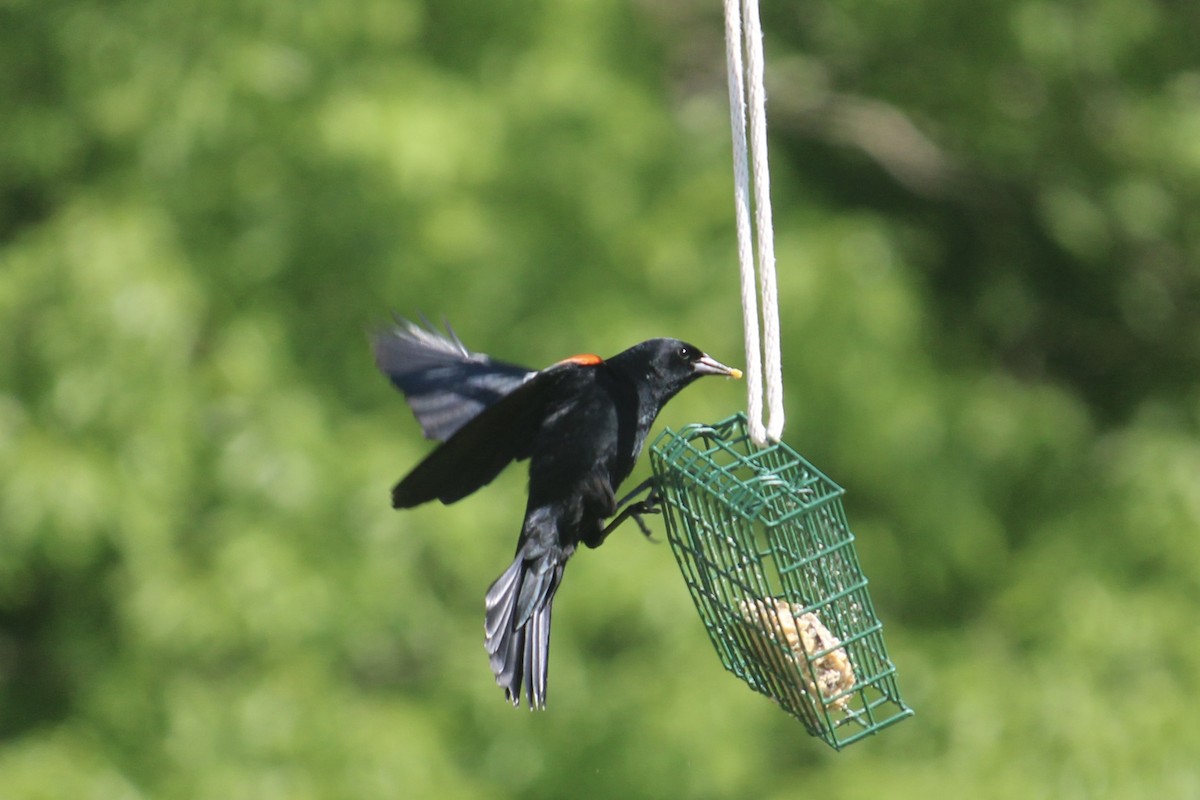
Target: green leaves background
column 987, row 242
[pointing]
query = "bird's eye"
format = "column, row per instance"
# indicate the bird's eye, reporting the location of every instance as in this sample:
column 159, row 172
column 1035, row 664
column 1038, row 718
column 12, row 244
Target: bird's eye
column 685, row 353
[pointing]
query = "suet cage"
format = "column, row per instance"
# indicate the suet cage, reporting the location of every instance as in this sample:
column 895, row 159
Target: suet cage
column 761, row 537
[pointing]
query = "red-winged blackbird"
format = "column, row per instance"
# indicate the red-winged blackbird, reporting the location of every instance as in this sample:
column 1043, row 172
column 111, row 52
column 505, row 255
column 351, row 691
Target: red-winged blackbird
column 581, row 423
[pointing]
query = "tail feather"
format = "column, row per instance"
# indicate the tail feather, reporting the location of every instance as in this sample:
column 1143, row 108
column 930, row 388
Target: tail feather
column 517, row 626
column 498, row 625
column 537, row 655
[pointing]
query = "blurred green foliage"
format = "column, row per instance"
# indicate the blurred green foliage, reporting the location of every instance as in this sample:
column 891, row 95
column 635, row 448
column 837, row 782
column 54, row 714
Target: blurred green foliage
column 988, row 238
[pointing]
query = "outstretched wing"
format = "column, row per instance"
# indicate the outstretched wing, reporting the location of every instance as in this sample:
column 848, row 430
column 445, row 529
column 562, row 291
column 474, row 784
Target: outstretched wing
column 445, row 384
column 488, row 442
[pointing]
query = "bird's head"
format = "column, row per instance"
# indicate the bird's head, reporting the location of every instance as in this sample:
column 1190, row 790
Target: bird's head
column 664, row 366
column 682, row 361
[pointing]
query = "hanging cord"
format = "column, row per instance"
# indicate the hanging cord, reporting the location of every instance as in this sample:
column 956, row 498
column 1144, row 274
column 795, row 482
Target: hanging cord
column 746, row 82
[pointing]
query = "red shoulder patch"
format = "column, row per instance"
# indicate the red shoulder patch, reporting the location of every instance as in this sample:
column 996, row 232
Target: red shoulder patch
column 583, row 360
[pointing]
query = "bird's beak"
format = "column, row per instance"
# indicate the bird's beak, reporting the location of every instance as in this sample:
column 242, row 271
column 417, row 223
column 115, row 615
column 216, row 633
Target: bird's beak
column 707, row 365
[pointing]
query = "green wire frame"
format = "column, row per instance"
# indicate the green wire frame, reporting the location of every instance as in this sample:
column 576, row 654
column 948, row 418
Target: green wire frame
column 751, row 525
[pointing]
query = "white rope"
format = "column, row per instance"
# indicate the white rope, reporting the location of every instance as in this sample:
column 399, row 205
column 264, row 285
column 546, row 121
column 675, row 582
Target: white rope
column 746, row 87
column 741, row 200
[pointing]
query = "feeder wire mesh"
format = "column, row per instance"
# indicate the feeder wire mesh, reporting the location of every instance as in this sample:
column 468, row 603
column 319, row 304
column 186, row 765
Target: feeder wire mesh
column 761, row 537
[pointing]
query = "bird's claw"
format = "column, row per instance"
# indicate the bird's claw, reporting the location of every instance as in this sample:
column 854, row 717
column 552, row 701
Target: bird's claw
column 650, row 505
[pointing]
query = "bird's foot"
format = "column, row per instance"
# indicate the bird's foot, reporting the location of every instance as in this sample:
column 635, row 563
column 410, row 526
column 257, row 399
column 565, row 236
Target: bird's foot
column 628, row 510
column 647, row 506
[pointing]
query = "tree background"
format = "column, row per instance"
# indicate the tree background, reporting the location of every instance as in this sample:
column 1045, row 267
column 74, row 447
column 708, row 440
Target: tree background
column 988, row 233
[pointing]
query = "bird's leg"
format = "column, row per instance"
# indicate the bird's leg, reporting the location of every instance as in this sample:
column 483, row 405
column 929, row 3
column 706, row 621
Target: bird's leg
column 628, row 509
column 650, row 486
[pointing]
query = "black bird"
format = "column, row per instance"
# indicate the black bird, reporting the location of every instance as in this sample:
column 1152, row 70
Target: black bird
column 581, row 422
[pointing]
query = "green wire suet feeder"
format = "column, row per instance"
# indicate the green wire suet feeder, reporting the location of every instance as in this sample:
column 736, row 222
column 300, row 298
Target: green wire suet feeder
column 762, row 540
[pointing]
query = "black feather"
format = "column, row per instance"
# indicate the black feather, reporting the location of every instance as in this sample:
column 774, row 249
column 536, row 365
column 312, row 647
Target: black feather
column 444, row 383
column 478, row 451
